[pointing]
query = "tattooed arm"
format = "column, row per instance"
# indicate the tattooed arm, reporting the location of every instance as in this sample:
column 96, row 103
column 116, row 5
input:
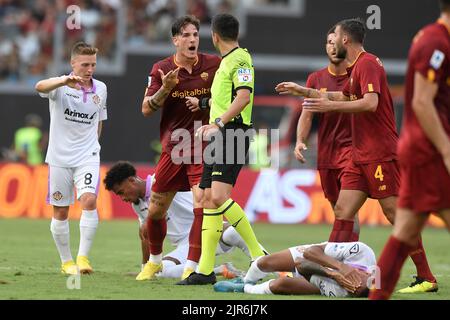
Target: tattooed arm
column 156, row 101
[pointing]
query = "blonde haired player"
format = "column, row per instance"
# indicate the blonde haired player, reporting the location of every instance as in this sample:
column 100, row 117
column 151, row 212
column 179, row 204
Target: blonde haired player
column 77, row 104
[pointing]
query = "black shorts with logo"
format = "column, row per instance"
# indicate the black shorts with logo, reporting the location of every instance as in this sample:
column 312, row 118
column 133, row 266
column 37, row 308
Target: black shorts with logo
column 232, row 155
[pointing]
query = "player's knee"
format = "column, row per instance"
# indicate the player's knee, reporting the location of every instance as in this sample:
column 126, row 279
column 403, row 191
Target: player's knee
column 277, row 286
column 340, row 212
column 266, row 264
column 61, row 213
column 88, row 201
column 217, row 200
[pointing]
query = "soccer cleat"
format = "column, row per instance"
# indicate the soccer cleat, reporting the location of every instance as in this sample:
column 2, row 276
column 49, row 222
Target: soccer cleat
column 420, row 286
column 186, row 273
column 230, row 272
column 84, row 265
column 150, row 269
column 69, row 268
column 198, row 279
column 229, row 286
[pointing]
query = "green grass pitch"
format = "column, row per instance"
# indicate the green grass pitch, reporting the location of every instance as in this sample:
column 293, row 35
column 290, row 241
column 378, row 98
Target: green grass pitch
column 29, row 263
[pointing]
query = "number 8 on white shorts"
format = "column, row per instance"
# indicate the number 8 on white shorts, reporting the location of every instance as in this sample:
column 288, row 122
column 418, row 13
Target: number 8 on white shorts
column 61, row 183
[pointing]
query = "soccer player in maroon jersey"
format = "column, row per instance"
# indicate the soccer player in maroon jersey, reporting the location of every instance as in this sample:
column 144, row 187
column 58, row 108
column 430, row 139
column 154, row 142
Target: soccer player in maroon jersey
column 176, row 84
column 374, row 167
column 334, row 136
column 423, row 150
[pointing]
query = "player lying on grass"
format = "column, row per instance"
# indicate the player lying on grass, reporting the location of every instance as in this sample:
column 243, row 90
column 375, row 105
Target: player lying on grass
column 123, row 181
column 330, row 269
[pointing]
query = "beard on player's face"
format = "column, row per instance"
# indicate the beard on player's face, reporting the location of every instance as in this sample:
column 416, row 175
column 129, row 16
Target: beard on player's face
column 341, row 51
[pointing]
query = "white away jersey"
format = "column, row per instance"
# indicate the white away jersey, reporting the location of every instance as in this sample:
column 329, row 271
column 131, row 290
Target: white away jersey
column 179, row 216
column 74, row 118
column 355, row 254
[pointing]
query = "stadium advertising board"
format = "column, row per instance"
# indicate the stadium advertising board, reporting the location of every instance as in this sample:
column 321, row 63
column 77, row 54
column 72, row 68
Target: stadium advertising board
column 290, row 196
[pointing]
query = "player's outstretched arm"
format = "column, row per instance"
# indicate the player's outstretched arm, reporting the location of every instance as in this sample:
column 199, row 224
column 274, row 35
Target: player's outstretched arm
column 47, row 85
column 292, row 88
column 151, row 104
column 369, row 103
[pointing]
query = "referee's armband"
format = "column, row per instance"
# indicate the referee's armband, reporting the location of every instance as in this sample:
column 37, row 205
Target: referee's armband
column 204, row 103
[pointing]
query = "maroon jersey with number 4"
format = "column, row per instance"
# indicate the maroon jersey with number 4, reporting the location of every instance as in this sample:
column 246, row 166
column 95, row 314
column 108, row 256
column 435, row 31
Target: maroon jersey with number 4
column 334, row 135
column 175, row 113
column 374, row 134
column 430, row 56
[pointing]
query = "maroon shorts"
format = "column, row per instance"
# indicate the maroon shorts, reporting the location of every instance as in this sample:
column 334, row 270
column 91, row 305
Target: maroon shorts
column 424, row 188
column 331, row 180
column 379, row 180
column 175, row 177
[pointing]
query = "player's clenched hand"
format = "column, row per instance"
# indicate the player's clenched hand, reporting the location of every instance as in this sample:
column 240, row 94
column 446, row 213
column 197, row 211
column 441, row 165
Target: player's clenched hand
column 206, row 131
column 343, row 281
column 317, row 104
column 351, row 274
column 291, row 88
column 170, row 79
column 73, row 81
column 299, row 147
column 193, row 104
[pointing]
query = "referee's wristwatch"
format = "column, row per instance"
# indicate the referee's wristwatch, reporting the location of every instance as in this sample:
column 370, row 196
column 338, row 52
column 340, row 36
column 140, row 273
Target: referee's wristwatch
column 218, row 122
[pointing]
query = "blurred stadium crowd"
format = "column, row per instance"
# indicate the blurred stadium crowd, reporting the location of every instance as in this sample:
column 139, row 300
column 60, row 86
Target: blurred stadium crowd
column 27, row 28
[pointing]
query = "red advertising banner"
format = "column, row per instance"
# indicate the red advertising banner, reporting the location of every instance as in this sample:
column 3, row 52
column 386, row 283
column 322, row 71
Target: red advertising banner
column 289, row 196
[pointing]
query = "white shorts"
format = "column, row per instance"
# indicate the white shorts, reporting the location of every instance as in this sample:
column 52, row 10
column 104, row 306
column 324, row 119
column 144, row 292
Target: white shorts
column 61, row 183
column 181, row 251
column 328, row 287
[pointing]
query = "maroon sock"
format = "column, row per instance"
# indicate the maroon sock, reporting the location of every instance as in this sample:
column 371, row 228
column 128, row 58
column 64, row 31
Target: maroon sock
column 342, row 231
column 420, row 260
column 195, row 236
column 390, row 263
column 354, row 237
column 156, row 231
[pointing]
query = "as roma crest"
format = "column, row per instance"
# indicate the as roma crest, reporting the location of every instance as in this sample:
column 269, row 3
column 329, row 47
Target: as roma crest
column 204, row 76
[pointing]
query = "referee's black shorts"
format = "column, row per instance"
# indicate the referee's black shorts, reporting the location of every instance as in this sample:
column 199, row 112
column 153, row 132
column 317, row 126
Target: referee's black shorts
column 236, row 142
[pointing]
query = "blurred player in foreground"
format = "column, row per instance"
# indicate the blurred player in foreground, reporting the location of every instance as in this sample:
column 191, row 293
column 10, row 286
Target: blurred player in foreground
column 424, row 151
column 373, row 171
column 123, row 181
column 329, row 269
column 77, row 109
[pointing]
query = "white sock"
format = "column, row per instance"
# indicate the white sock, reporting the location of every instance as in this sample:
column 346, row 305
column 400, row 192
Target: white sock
column 155, row 258
column 190, row 264
column 254, row 273
column 231, row 238
column 61, row 235
column 171, row 270
column 262, row 288
column 88, row 227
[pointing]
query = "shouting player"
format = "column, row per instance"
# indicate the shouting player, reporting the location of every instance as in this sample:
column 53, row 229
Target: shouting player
column 173, row 83
column 373, row 169
column 77, row 109
column 424, row 151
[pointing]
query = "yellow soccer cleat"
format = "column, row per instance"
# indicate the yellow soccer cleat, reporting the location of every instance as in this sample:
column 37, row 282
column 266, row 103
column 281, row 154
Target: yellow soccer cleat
column 69, row 268
column 186, row 273
column 84, row 265
column 149, row 271
column 420, row 286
